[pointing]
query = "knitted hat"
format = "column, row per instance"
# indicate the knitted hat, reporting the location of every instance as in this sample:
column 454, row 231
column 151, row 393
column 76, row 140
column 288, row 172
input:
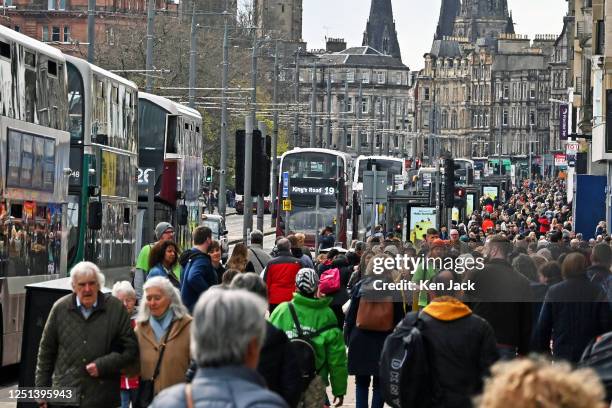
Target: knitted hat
column 161, row 228
column 307, row 281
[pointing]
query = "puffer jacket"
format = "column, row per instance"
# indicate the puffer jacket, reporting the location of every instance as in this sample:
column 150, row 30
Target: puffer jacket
column 279, row 276
column 69, row 342
column 330, row 352
column 223, row 387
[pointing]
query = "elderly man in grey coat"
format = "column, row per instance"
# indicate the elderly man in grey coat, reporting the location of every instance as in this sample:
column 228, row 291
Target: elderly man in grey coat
column 227, row 333
column 86, row 342
column 258, row 257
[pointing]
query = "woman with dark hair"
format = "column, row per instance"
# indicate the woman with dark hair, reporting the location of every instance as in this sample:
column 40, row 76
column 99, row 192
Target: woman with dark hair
column 162, row 260
column 574, row 312
column 240, row 259
column 215, row 251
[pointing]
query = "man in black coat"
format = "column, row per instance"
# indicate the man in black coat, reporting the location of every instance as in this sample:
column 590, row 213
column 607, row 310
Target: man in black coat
column 575, row 311
column 462, row 344
column 601, row 258
column 502, row 297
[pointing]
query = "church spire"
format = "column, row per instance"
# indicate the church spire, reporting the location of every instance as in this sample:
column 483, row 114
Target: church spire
column 380, row 31
column 483, row 18
column 449, row 10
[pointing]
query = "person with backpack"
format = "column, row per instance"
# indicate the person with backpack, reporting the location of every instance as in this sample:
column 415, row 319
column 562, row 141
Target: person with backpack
column 371, row 317
column 164, row 231
column 198, row 274
column 458, row 348
column 313, row 330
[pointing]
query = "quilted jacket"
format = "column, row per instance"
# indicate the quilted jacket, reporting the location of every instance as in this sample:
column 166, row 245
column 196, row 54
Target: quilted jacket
column 70, row 342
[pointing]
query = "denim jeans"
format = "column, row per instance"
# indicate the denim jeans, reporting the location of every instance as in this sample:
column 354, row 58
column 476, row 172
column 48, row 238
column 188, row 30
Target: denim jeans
column 362, row 392
column 128, row 396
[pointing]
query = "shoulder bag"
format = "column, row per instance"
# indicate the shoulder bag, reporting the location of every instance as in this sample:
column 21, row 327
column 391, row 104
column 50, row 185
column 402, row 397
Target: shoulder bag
column 146, row 388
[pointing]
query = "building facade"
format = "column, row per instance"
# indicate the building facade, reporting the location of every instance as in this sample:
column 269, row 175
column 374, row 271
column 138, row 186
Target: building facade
column 64, row 23
column 361, row 102
column 280, row 18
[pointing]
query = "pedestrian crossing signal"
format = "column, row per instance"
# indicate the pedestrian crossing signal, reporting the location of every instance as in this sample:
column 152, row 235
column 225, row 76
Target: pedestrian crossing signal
column 208, row 174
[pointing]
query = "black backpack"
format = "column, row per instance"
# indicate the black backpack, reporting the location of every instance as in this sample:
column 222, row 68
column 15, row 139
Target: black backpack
column 407, row 377
column 304, row 349
column 598, row 356
column 188, row 255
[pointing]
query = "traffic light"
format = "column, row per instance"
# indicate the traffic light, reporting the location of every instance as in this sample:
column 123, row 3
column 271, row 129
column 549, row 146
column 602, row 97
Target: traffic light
column 450, row 178
column 208, row 174
column 460, row 197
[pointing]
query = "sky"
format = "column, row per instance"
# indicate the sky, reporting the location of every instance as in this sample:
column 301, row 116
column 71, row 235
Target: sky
column 415, row 22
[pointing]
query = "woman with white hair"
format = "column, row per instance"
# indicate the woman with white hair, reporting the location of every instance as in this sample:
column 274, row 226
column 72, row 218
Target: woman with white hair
column 163, row 331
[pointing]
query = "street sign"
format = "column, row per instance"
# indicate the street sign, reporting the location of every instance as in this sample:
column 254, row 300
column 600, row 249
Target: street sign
column 560, row 160
column 286, row 185
column 571, row 151
column 287, row 205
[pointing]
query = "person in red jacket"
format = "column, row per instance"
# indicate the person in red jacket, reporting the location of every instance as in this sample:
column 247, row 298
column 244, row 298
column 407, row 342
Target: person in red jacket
column 544, row 224
column 280, row 273
column 487, row 223
column 129, row 385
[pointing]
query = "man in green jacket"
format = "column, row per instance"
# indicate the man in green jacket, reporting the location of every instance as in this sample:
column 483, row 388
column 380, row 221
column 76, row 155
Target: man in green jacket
column 86, row 342
column 313, row 314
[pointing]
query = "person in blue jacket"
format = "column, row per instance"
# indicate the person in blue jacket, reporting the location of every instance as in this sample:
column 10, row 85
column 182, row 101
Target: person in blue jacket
column 162, row 261
column 199, row 274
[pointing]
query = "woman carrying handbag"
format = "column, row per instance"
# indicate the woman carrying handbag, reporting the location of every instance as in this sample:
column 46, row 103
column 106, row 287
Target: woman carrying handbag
column 163, row 331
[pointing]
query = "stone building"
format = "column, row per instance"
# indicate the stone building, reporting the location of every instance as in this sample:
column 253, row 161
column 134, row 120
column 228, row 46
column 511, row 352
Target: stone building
column 485, row 90
column 64, row 23
column 208, row 6
column 280, row 18
column 483, row 19
column 368, row 95
column 560, row 80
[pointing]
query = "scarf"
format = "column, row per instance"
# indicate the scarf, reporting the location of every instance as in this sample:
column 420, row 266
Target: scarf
column 160, row 324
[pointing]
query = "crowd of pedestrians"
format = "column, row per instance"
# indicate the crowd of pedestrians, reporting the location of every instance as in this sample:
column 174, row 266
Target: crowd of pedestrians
column 288, row 328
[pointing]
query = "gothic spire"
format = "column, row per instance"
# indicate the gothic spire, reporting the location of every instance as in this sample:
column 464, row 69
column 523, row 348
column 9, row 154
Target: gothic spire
column 449, row 10
column 380, row 31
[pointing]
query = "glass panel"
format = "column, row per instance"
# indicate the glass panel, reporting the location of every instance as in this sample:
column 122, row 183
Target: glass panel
column 26, row 161
column 38, row 169
column 76, row 103
column 49, row 172
column 14, row 158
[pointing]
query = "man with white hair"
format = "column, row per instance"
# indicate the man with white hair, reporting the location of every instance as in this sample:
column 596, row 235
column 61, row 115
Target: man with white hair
column 456, row 243
column 227, row 333
column 86, row 342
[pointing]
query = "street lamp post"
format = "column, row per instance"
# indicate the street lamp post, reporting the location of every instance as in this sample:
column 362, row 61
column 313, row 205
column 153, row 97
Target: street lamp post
column 274, row 147
column 149, row 57
column 224, row 119
column 296, row 90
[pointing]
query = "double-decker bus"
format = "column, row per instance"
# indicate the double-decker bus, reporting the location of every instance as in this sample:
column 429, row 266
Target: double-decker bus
column 34, row 169
column 170, row 147
column 103, row 194
column 315, row 172
column 396, row 173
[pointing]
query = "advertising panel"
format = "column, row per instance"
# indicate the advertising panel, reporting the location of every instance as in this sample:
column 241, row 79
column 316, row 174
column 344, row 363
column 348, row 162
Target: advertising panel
column 490, row 191
column 421, row 219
